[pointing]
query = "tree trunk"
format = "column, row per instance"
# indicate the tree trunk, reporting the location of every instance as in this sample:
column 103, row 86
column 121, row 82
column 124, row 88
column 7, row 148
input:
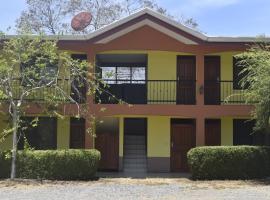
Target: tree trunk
column 14, row 147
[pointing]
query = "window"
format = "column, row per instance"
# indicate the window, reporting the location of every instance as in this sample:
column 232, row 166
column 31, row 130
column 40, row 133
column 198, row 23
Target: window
column 237, row 75
column 121, row 75
column 40, row 137
column 122, row 68
column 243, row 133
column 77, row 133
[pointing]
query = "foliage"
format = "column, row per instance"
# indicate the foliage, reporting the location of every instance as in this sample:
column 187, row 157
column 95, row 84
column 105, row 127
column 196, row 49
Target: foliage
column 230, row 162
column 33, row 65
column 53, row 164
column 256, row 70
column 54, row 16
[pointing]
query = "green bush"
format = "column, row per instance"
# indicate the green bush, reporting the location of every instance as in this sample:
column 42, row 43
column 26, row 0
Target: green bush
column 52, row 164
column 230, row 162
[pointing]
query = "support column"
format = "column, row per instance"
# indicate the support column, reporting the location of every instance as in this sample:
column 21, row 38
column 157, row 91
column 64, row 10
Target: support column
column 200, row 131
column 200, row 79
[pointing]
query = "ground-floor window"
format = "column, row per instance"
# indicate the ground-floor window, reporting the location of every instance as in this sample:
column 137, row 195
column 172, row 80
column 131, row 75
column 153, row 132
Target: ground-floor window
column 77, row 133
column 243, row 133
column 41, row 136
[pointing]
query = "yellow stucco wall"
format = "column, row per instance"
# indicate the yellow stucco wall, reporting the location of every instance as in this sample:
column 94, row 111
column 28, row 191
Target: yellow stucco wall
column 158, row 138
column 121, row 136
column 227, row 131
column 7, row 143
column 63, row 133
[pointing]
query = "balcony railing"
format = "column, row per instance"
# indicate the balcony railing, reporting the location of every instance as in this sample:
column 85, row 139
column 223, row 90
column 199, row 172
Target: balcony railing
column 40, row 94
column 222, row 92
column 149, row 92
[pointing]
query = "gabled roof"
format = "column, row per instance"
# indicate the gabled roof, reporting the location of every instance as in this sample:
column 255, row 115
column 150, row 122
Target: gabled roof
column 145, row 11
column 157, row 21
column 153, row 24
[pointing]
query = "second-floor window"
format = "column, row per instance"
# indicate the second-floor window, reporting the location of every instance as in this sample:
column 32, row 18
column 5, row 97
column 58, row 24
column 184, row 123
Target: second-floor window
column 121, row 75
column 122, row 68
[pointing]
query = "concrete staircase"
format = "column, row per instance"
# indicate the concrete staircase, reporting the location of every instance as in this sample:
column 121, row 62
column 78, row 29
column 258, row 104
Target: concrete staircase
column 135, row 160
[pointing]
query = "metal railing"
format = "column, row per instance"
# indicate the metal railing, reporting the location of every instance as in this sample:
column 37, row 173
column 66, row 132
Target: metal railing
column 222, row 92
column 19, row 87
column 149, row 92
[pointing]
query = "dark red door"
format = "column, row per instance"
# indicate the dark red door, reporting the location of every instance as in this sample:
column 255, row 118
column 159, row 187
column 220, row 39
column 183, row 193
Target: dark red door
column 212, row 80
column 186, row 76
column 77, row 133
column 183, row 138
column 108, row 145
column 212, row 132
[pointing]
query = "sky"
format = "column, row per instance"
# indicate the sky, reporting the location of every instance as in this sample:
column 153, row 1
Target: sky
column 215, row 17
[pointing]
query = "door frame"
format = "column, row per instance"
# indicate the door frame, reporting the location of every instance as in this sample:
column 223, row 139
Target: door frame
column 217, row 82
column 181, row 122
column 178, row 80
column 215, row 122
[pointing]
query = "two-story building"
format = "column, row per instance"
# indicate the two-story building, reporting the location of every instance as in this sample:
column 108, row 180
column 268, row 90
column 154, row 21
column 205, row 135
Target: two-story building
column 177, row 81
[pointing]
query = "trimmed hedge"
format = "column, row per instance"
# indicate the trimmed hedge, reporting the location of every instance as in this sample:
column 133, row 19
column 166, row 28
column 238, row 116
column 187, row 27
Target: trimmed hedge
column 229, row 162
column 52, row 164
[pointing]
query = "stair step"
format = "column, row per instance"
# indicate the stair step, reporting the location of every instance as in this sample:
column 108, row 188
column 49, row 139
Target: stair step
column 134, row 142
column 135, row 166
column 135, row 147
column 134, row 137
column 135, row 156
column 134, row 151
column 135, row 161
column 135, row 170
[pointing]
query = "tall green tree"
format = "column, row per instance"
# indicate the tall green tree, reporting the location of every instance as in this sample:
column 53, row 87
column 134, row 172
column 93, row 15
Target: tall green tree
column 33, row 70
column 255, row 64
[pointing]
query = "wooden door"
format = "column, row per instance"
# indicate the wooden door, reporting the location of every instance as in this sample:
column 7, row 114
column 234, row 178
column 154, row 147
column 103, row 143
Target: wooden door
column 77, row 133
column 108, row 145
column 186, row 76
column 212, row 132
column 212, row 80
column 183, row 138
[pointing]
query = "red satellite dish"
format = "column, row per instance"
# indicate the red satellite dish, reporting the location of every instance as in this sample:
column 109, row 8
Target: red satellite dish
column 81, row 21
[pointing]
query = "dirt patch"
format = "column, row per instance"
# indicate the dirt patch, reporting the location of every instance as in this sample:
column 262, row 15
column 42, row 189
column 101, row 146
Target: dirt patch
column 181, row 182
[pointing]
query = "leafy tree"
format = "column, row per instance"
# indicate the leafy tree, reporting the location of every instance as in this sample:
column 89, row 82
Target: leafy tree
column 256, row 79
column 54, row 16
column 33, row 70
column 43, row 16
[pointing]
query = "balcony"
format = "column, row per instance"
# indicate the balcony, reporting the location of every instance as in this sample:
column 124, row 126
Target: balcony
column 222, row 92
column 169, row 92
column 149, row 92
column 40, row 94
